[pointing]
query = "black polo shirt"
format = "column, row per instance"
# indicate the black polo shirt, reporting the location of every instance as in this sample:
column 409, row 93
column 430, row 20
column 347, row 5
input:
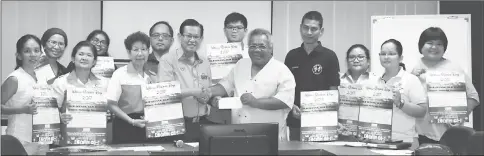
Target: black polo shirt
column 317, row 71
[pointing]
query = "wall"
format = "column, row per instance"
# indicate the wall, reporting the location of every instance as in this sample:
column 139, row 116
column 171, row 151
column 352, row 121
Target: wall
column 345, row 22
column 76, row 18
column 211, row 16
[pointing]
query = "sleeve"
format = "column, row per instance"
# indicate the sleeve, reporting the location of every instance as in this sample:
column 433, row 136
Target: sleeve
column 470, row 89
column 416, row 91
column 114, row 87
column 228, row 82
column 58, row 90
column 166, row 70
column 332, row 64
column 286, row 87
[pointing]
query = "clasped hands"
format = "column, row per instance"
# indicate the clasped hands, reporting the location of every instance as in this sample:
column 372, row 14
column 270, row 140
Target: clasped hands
column 206, row 94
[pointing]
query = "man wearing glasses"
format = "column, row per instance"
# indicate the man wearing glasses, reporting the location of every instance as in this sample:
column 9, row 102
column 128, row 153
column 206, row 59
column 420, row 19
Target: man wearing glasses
column 161, row 39
column 235, row 28
column 267, row 96
column 192, row 71
column 314, row 66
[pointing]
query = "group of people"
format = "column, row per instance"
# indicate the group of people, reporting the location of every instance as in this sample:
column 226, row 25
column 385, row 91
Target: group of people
column 268, row 89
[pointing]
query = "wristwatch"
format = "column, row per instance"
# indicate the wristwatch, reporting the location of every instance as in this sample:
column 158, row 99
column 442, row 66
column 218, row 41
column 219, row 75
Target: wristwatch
column 402, row 102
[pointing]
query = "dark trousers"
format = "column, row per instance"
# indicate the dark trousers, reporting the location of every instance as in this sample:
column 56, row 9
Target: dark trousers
column 425, row 140
column 123, row 132
column 295, row 133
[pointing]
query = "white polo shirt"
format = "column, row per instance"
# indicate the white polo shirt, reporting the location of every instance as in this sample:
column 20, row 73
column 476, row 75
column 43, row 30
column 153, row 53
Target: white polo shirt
column 273, row 80
column 364, row 78
column 413, row 93
column 70, row 80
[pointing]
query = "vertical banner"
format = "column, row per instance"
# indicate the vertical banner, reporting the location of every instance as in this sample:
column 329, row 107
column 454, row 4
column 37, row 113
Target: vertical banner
column 88, row 107
column 440, row 86
column 376, row 112
column 46, row 123
column 222, row 58
column 319, row 115
column 104, row 67
column 163, row 109
column 350, row 97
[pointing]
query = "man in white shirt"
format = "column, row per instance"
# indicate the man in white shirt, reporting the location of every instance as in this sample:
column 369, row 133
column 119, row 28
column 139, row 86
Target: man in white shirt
column 264, row 86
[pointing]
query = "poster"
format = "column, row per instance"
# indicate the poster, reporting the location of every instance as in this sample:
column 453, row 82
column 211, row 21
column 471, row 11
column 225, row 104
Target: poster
column 88, row 107
column 163, row 109
column 104, row 67
column 440, row 86
column 222, row 58
column 319, row 115
column 46, row 123
column 350, row 97
column 376, row 112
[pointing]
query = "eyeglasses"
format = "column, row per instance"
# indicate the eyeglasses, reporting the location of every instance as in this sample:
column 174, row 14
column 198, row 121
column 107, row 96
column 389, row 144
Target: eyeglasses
column 235, row 28
column 163, row 36
column 96, row 41
column 188, row 37
column 387, row 54
column 54, row 43
column 359, row 58
column 261, row 47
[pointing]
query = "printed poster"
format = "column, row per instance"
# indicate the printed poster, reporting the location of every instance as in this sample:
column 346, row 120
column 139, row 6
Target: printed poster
column 319, row 115
column 163, row 109
column 222, row 58
column 46, row 123
column 350, row 97
column 104, row 67
column 440, row 86
column 376, row 112
column 88, row 107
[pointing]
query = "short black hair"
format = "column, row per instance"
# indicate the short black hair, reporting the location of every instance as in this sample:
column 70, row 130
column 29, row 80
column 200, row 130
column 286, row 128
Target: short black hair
column 20, row 45
column 51, row 32
column 135, row 37
column 84, row 44
column 432, row 33
column 235, row 17
column 367, row 52
column 162, row 22
column 313, row 15
column 191, row 22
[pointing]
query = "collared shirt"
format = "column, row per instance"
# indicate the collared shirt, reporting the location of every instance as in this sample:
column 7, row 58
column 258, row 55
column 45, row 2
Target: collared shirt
column 20, row 125
column 153, row 61
column 125, row 88
column 45, row 74
column 314, row 72
column 71, row 80
column 424, row 127
column 364, row 78
column 175, row 66
column 265, row 84
column 413, row 93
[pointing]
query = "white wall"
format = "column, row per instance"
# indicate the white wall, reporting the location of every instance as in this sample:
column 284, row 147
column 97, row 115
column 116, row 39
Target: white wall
column 76, row 18
column 121, row 18
column 345, row 22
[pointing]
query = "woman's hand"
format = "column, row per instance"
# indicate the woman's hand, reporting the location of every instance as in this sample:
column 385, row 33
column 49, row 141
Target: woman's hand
column 418, row 72
column 29, row 108
column 65, row 118
column 141, row 123
column 296, row 112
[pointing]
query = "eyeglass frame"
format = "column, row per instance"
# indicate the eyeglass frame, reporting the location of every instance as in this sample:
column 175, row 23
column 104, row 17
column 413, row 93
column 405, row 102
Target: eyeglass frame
column 95, row 42
column 54, row 43
column 352, row 59
column 388, row 54
column 260, row 47
column 235, row 28
column 188, row 37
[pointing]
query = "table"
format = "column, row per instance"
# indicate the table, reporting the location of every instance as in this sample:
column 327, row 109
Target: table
column 285, row 148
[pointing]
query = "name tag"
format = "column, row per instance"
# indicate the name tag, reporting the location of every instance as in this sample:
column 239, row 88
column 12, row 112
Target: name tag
column 295, row 67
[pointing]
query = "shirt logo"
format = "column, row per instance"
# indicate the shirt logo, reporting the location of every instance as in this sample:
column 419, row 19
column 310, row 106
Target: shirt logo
column 317, row 69
column 204, row 76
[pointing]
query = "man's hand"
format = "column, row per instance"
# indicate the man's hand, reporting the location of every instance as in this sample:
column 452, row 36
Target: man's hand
column 247, row 99
column 296, row 112
column 215, row 100
column 204, row 95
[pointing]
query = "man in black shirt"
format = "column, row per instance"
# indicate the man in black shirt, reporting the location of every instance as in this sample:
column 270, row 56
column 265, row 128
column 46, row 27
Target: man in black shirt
column 314, row 67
